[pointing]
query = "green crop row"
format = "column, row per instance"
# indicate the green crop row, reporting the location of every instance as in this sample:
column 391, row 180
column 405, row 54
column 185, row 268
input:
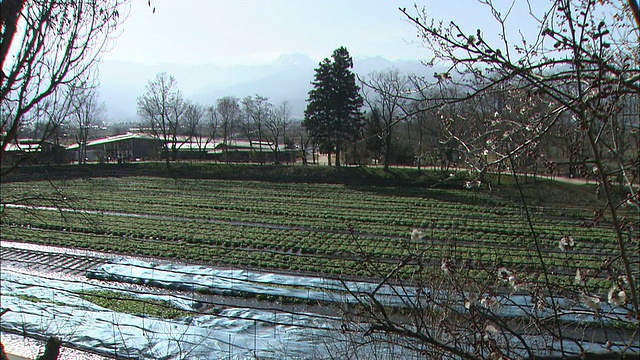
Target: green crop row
column 374, row 214
column 332, row 229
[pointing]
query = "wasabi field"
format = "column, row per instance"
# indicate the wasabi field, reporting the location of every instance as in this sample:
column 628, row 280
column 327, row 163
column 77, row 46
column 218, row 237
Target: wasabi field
column 314, row 227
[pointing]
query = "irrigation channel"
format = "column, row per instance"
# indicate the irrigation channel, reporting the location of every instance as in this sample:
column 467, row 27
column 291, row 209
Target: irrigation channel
column 234, row 314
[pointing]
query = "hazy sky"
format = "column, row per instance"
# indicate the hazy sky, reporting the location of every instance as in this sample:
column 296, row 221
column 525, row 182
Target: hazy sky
column 228, row 32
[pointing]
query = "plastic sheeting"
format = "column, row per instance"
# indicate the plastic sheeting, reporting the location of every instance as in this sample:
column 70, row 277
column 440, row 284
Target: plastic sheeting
column 241, row 282
column 235, row 333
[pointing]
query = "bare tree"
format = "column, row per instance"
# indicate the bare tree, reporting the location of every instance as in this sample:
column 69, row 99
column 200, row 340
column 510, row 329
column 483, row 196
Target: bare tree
column 163, row 106
column 227, row 114
column 43, row 126
column 194, row 128
column 303, row 141
column 276, row 125
column 386, row 93
column 46, row 44
column 257, row 110
column 424, row 129
column 86, row 110
column 585, row 61
column 212, row 121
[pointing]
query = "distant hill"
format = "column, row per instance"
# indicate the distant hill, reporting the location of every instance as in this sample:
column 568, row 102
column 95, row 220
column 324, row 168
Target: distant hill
column 289, row 78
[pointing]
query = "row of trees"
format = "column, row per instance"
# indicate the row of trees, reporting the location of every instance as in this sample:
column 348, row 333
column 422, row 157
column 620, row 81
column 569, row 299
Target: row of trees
column 175, row 120
column 409, row 119
column 404, row 124
column 480, row 117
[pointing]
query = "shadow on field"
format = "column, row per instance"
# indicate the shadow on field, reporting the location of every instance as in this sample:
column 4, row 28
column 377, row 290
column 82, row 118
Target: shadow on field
column 356, row 176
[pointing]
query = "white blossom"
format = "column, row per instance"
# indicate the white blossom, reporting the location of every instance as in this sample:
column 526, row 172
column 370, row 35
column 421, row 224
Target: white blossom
column 579, row 278
column 566, row 243
column 416, row 235
column 616, row 296
column 445, row 266
column 491, row 328
column 623, row 279
column 590, row 301
column 473, row 184
column 472, row 300
column 491, row 303
column 517, row 284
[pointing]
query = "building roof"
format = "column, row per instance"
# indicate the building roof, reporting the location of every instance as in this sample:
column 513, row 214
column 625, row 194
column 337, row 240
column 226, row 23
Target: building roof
column 247, row 145
column 186, row 143
column 207, row 145
column 112, row 139
column 26, row 145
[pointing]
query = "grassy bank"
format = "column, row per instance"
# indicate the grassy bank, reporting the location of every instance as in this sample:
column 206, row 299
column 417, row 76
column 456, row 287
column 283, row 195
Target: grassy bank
column 272, row 173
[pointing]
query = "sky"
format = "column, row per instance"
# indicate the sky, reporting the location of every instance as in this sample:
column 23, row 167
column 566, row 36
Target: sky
column 253, row 32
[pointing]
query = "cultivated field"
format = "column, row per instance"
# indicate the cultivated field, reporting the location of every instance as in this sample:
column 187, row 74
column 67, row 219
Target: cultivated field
column 331, row 229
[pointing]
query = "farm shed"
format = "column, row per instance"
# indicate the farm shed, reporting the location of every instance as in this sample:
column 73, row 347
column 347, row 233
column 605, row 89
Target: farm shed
column 33, row 151
column 124, row 147
column 252, row 151
column 195, row 147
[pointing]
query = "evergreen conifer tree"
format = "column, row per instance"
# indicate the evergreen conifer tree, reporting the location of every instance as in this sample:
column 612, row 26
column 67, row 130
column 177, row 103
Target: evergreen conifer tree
column 333, row 115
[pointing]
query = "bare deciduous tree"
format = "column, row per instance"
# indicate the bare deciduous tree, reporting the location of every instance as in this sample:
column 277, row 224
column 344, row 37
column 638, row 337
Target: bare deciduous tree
column 194, row 128
column 424, row 130
column 85, row 110
column 386, row 93
column 276, row 125
column 226, row 115
column 257, row 110
column 162, row 107
column 45, row 45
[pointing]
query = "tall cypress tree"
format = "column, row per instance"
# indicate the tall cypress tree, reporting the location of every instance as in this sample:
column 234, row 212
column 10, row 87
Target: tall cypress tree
column 333, row 115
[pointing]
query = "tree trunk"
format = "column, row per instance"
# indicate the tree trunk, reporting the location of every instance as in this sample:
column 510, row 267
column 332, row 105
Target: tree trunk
column 167, row 156
column 9, row 18
column 261, row 156
column 420, row 150
column 51, row 349
column 387, row 149
column 303, row 148
column 174, row 151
